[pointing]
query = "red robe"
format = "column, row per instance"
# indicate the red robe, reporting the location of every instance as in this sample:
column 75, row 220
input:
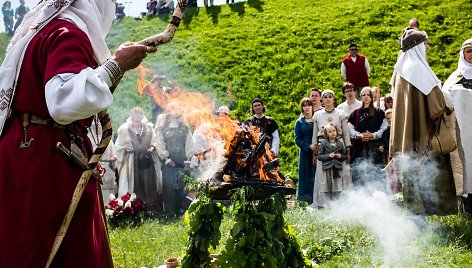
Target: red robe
column 37, row 183
column 356, row 72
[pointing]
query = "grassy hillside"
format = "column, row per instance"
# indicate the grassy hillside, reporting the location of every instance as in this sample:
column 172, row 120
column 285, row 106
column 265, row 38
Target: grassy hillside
column 278, row 50
column 4, row 39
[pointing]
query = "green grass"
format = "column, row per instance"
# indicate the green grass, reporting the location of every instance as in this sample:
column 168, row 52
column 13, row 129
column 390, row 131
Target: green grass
column 4, row 39
column 442, row 243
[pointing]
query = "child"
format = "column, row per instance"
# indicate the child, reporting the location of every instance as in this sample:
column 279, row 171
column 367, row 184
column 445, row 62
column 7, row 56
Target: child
column 393, row 182
column 383, row 148
column 332, row 153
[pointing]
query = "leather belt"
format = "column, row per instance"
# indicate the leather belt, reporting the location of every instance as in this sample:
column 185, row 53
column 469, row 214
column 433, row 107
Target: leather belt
column 41, row 121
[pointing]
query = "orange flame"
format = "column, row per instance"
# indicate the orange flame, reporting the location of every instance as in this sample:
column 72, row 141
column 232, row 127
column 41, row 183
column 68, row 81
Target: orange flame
column 197, row 110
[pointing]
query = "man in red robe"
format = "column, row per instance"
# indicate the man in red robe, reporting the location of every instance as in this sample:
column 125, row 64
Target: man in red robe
column 58, row 73
column 355, row 68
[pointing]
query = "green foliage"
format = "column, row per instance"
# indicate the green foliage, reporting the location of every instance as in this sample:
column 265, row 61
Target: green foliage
column 455, row 229
column 204, row 218
column 260, row 237
column 331, row 246
column 149, row 244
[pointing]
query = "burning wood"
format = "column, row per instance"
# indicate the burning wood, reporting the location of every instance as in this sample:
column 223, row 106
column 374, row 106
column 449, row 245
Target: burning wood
column 250, row 160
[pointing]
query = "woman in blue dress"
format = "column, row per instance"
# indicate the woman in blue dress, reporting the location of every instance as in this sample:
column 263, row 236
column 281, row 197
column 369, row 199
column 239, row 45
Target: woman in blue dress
column 303, row 136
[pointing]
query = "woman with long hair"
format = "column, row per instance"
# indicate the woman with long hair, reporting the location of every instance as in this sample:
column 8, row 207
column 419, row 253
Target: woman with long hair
column 368, row 126
column 303, row 133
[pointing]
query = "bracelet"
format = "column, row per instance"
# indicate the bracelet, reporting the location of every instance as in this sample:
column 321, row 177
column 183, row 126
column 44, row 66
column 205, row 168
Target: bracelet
column 113, row 69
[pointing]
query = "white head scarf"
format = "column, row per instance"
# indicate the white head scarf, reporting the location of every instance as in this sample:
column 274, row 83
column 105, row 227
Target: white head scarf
column 94, row 17
column 464, row 67
column 413, row 67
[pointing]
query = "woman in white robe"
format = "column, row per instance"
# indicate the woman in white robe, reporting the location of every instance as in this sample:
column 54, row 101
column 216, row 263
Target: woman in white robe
column 325, row 189
column 138, row 164
column 459, row 84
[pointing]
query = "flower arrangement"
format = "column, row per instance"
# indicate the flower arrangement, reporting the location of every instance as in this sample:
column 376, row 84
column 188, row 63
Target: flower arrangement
column 124, row 211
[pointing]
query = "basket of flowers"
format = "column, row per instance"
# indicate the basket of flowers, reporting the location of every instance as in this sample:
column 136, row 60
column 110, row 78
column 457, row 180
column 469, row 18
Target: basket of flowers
column 127, row 210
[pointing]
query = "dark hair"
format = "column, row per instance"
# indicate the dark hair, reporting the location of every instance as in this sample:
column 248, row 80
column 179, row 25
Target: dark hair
column 304, row 102
column 371, row 105
column 316, row 89
column 387, row 97
column 257, row 100
column 348, row 85
column 353, row 45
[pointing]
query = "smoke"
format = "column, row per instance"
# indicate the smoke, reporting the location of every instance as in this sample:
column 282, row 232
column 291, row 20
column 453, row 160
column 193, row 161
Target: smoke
column 373, row 205
column 394, row 229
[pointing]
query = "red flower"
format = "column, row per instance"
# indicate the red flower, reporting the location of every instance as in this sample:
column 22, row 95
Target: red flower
column 113, row 203
column 126, row 197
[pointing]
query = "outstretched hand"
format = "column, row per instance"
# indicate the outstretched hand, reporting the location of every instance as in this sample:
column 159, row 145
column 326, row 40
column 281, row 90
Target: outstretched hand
column 130, row 55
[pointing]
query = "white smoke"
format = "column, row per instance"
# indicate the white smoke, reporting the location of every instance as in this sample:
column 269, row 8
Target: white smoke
column 213, row 163
column 397, row 231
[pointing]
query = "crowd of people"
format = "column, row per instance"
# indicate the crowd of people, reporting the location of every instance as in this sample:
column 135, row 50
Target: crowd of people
column 156, row 7
column 12, row 18
column 390, row 143
column 153, row 159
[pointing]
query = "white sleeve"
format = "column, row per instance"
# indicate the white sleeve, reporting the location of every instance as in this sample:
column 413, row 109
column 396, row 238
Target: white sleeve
column 378, row 134
column 275, row 142
column 352, row 131
column 71, row 97
column 343, row 70
column 367, row 66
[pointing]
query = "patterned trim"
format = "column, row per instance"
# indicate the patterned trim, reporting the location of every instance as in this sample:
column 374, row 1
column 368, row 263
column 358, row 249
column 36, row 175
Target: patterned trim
column 467, row 83
column 175, row 21
column 182, row 4
column 5, row 98
column 58, row 4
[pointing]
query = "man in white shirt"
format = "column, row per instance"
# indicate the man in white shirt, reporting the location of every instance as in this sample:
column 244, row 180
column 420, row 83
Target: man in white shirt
column 351, row 103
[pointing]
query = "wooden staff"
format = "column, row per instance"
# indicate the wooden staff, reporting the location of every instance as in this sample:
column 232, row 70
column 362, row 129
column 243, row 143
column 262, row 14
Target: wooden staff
column 378, row 96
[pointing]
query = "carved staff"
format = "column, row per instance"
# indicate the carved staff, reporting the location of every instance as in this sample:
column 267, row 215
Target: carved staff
column 378, row 95
column 169, row 32
column 154, row 41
